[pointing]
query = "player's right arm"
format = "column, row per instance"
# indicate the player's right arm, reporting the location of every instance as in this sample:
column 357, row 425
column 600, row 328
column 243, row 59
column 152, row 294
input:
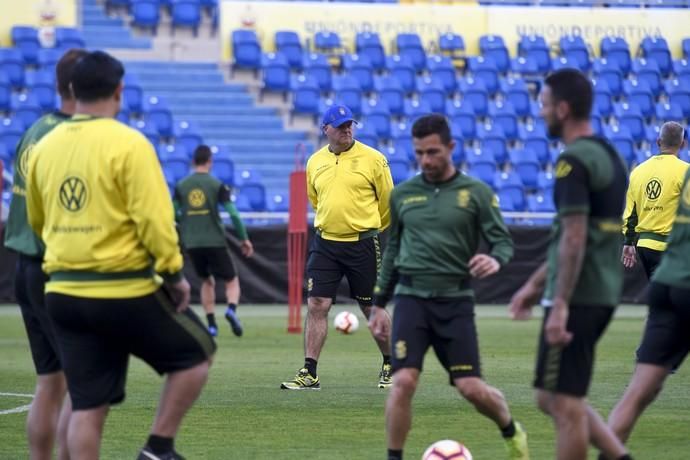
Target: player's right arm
column 224, row 198
column 34, row 205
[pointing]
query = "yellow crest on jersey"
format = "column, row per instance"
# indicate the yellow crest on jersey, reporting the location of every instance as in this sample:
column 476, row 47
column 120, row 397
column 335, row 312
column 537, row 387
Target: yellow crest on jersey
column 196, row 198
column 463, row 198
column 563, row 168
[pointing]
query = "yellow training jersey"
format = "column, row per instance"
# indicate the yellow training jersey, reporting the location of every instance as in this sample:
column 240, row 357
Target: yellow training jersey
column 350, row 192
column 97, row 197
column 652, row 200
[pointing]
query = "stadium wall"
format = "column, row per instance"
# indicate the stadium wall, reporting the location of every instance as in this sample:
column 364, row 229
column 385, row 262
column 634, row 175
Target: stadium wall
column 430, row 20
column 35, row 13
column 264, row 276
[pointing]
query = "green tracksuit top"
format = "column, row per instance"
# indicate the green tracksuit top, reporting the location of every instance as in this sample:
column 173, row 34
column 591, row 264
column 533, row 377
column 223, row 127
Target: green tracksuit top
column 435, row 231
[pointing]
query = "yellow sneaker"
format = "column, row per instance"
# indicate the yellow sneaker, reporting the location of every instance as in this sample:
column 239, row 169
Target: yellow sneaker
column 517, row 445
column 303, row 381
column 386, row 376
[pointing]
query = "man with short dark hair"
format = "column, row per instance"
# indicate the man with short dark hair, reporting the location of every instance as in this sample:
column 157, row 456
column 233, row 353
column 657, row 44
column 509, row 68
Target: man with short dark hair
column 97, row 197
column 652, row 200
column 348, row 184
column 203, row 235
column 46, row 418
column 581, row 282
column 437, row 221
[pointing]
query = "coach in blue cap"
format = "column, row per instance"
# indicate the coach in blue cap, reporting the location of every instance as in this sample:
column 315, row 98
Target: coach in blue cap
column 349, row 186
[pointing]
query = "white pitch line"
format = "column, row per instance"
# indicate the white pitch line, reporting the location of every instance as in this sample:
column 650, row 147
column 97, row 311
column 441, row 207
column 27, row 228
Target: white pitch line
column 16, row 410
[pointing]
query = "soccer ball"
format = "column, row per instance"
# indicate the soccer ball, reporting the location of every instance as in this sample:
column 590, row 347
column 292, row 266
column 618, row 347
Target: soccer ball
column 346, row 322
column 447, row 450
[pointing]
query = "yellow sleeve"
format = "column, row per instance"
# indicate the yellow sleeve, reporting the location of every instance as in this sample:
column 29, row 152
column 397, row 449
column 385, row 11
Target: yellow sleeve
column 383, row 181
column 34, row 205
column 311, row 191
column 148, row 203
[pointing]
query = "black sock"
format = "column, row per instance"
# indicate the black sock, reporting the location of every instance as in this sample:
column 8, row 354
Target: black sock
column 386, row 359
column 232, row 306
column 625, row 457
column 508, row 431
column 602, row 457
column 394, row 454
column 159, row 444
column 211, row 319
column 310, row 364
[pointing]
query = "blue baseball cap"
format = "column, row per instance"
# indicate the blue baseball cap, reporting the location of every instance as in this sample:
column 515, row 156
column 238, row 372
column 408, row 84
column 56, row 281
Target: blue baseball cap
column 336, row 115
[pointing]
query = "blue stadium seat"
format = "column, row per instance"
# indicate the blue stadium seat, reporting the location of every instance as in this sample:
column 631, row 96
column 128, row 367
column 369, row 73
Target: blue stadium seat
column 6, row 159
column 685, row 46
column 545, row 183
column 492, row 139
column 415, row 109
column 485, row 70
column 493, row 47
column 246, row 49
column 360, row 68
column 489, row 41
column 482, row 165
column 656, row 49
column 536, row 48
column 400, row 67
column 255, row 194
column 11, row 131
column 148, row 129
column 369, row 45
column 12, row 64
column 432, row 93
column 133, row 95
column 44, row 94
column 441, row 69
column 316, row 66
column 678, row 95
column 681, row 67
column 366, row 134
column 474, row 91
column 410, row 46
column 648, row 71
column 564, row 62
column 669, row 112
column 622, row 140
column 69, row 37
column 278, row 201
column 541, row 202
column 462, row 119
column 451, row 44
column 349, row 92
column 25, row 38
column 526, row 165
column 400, row 170
column 224, row 168
column 630, row 116
column 616, row 49
column 29, row 111
column 515, row 91
column 287, row 42
column 652, row 134
column 189, row 139
column 603, row 99
column 574, row 48
column 597, row 125
column 22, row 33
column 503, row 114
column 186, row 13
column 276, row 73
column 306, row 95
column 392, row 93
column 524, row 65
column 146, row 14
column 638, row 92
column 327, row 42
column 161, row 117
column 536, row 142
column 247, row 175
column 48, row 58
column 176, row 166
column 613, row 79
column 378, row 115
column 509, row 185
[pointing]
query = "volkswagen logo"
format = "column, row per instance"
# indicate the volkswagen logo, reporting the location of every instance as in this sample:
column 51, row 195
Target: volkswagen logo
column 73, row 194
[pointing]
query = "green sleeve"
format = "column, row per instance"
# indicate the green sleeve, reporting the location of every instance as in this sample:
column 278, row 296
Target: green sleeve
column 494, row 230
column 236, row 221
column 176, row 207
column 630, row 224
column 388, row 275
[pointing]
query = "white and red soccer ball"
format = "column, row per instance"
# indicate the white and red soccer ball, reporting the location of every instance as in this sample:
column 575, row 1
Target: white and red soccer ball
column 447, row 450
column 346, row 322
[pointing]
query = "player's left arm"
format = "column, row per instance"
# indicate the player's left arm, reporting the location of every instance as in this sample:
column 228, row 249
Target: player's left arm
column 383, row 185
column 224, row 199
column 34, row 205
column 494, row 231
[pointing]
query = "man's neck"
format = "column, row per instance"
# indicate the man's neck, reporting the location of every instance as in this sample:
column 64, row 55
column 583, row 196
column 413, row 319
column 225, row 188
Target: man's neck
column 68, row 106
column 202, row 169
column 668, row 151
column 96, row 109
column 338, row 149
column 574, row 130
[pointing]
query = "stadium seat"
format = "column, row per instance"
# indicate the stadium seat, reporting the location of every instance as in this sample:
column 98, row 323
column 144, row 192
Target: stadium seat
column 400, row 67
column 482, row 165
column 162, row 118
column 493, row 47
column 574, row 48
column 12, row 65
column 349, row 92
column 416, row 108
column 255, row 195
column 638, row 92
column 392, row 93
column 29, row 112
column 276, row 73
column 545, row 183
column 515, row 92
column 410, row 46
column 541, row 202
column 616, row 49
column 536, row 142
column 186, row 13
column 69, row 37
column 133, row 95
column 369, row 44
column 48, row 58
column 11, row 131
column 316, row 66
column 630, row 116
column 366, row 134
column 377, row 115
column 685, row 46
column 613, row 79
column 247, row 175
column 441, row 69
column 433, row 94
column 536, row 48
column 278, row 201
column 287, row 42
column 484, row 69
column 44, row 94
column 148, row 129
column 224, row 168
column 681, row 67
column 509, row 185
column 669, row 112
column 492, row 139
column 176, row 166
column 597, row 125
column 603, row 100
column 400, row 170
column 474, row 91
column 524, row 65
column 503, row 114
column 327, row 42
column 22, row 33
column 451, row 44
column 656, row 49
column 620, row 138
column 189, row 140
column 648, row 71
column 678, row 95
column 306, row 95
column 359, row 67
column 462, row 119
column 246, row 49
column 564, row 62
column 526, row 165
column 145, row 14
column 25, row 38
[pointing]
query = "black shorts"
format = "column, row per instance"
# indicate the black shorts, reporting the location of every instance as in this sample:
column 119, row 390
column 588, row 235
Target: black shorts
column 446, row 324
column 650, row 260
column 212, row 261
column 330, row 260
column 29, row 285
column 96, row 337
column 568, row 369
column 666, row 339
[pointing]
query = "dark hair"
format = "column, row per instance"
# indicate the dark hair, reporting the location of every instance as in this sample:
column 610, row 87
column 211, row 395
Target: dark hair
column 96, row 76
column 202, row 155
column 432, row 124
column 573, row 87
column 65, row 68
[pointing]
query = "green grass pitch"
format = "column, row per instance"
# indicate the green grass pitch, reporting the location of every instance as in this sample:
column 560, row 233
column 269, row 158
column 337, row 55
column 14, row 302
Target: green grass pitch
column 242, row 413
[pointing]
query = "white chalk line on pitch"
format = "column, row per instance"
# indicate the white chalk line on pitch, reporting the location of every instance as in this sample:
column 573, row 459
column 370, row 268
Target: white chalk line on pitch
column 16, row 410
